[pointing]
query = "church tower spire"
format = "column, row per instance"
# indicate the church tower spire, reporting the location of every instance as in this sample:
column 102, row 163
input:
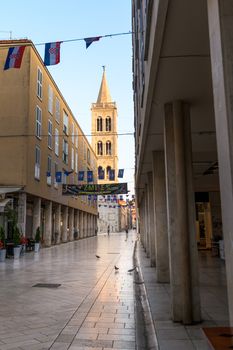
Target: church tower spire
column 104, row 133
column 104, row 93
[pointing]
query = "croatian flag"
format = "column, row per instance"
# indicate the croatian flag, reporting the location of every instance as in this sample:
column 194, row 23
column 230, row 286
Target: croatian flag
column 52, row 53
column 14, row 57
column 89, row 41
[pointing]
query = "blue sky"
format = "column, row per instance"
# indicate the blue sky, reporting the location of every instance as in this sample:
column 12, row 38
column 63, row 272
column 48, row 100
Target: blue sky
column 78, row 76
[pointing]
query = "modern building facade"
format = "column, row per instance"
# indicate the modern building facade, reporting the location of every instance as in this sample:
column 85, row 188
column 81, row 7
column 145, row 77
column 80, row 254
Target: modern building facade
column 40, row 137
column 182, row 79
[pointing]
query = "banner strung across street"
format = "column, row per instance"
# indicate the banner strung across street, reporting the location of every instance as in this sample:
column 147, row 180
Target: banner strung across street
column 101, row 189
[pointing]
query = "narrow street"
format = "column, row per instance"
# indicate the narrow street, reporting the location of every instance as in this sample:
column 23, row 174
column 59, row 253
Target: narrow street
column 93, row 308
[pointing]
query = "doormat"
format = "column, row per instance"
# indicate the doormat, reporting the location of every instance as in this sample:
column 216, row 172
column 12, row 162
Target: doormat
column 47, row 285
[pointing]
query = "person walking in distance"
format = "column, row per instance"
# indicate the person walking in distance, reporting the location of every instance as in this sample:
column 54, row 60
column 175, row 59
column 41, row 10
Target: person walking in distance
column 108, row 230
column 126, row 232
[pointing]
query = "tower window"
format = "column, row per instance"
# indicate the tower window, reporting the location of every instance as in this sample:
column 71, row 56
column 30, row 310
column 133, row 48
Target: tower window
column 99, row 148
column 108, row 148
column 108, row 123
column 99, row 124
column 108, row 171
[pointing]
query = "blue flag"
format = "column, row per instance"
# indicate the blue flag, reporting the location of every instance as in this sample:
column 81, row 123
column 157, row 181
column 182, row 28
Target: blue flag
column 101, row 174
column 80, row 175
column 89, row 176
column 67, row 173
column 120, row 173
column 58, row 176
column 112, row 175
column 89, row 41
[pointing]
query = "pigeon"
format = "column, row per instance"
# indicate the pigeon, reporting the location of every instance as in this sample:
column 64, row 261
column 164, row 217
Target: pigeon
column 97, row 256
column 116, row 268
column 131, row 270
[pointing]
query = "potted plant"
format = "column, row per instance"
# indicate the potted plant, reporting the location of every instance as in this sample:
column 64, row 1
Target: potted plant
column 37, row 239
column 23, row 242
column 16, row 240
column 2, row 245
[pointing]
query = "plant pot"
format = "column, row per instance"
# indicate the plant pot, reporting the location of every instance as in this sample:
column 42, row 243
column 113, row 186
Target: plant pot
column 2, row 255
column 37, row 247
column 17, row 251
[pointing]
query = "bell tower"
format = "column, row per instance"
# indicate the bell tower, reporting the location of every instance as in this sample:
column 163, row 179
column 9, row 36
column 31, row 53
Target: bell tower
column 104, row 133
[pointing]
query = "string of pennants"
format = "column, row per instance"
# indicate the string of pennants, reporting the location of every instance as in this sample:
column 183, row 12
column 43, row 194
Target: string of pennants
column 52, row 51
column 89, row 177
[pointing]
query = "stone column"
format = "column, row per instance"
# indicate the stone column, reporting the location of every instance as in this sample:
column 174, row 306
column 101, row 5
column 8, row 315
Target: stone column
column 142, row 226
column 151, row 222
column 81, row 224
column 36, row 221
column 71, row 224
column 64, row 224
column 75, row 223
column 181, row 215
column 146, row 219
column 48, row 224
column 160, row 214
column 22, row 212
column 57, row 223
column 220, row 15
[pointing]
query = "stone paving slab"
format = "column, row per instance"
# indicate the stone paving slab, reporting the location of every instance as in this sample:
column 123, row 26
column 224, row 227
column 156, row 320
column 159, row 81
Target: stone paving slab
column 92, row 309
column 213, row 292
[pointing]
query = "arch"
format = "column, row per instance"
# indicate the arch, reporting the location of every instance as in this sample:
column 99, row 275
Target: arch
column 108, row 170
column 108, row 148
column 108, row 124
column 99, row 148
column 99, row 124
column 101, row 174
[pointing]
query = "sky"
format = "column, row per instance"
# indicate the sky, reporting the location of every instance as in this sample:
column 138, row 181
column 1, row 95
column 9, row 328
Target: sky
column 79, row 73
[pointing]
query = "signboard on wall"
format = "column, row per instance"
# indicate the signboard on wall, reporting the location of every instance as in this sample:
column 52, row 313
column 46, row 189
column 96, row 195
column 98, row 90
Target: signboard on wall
column 95, row 189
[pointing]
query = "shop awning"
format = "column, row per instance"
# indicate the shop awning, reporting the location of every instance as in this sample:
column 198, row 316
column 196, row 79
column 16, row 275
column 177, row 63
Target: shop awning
column 3, row 203
column 4, row 190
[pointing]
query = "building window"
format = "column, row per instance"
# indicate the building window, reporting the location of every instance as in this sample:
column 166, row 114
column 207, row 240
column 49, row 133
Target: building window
column 55, row 171
column 38, row 122
column 99, row 148
column 57, row 142
column 65, row 152
column 84, row 150
column 88, row 156
column 57, row 110
column 50, row 102
column 99, row 124
column 50, row 133
column 39, row 82
column 49, row 171
column 76, row 138
column 108, row 124
column 108, row 171
column 108, row 148
column 37, row 163
column 72, row 158
column 76, row 162
column 65, row 122
column 72, row 132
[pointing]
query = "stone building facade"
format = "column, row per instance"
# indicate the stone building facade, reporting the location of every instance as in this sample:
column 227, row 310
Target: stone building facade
column 40, row 136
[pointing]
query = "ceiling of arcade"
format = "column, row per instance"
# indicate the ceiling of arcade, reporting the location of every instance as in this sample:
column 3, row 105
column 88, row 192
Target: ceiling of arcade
column 184, row 73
